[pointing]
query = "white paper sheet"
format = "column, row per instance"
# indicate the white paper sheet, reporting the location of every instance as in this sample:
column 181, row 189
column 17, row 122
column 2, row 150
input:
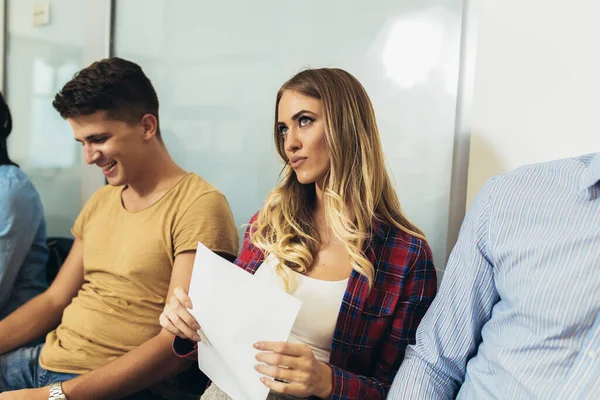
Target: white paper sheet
column 235, row 311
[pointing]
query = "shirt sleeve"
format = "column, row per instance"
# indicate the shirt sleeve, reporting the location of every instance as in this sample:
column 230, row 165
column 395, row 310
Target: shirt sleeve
column 450, row 332
column 78, row 226
column 19, row 223
column 417, row 293
column 207, row 220
column 89, row 209
column 251, row 256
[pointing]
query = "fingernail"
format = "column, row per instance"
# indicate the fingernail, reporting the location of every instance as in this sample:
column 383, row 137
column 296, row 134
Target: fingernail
column 188, row 304
column 197, row 338
column 257, row 345
column 196, row 326
column 263, row 380
column 256, row 367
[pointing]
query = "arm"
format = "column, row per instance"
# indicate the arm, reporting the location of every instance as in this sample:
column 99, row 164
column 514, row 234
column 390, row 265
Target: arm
column 417, row 293
column 150, row 363
column 450, row 332
column 43, row 313
column 19, row 222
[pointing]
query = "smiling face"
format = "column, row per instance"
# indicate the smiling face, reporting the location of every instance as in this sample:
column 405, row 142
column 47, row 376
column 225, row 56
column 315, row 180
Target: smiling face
column 115, row 146
column 301, row 124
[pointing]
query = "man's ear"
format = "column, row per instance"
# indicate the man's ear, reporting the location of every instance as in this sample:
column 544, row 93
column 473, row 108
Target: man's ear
column 150, row 125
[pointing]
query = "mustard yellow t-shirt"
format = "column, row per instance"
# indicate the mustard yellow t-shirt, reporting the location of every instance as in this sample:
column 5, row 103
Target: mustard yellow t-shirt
column 128, row 259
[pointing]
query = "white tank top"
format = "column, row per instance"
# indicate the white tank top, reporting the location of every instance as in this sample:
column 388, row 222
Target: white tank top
column 321, row 302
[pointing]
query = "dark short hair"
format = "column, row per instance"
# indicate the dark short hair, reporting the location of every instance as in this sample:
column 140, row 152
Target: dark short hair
column 114, row 85
column 5, row 129
column 5, row 119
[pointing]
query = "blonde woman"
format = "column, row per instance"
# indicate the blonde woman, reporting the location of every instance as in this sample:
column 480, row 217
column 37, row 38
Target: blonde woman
column 332, row 234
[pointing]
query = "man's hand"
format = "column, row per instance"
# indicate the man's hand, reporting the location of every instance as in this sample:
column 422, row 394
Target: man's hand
column 27, row 394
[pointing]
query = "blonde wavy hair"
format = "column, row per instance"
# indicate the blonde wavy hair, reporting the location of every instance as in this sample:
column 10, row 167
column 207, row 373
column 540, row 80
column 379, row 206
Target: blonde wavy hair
column 357, row 183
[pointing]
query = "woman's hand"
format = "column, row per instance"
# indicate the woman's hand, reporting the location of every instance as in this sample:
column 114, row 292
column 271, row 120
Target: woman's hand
column 177, row 319
column 294, row 364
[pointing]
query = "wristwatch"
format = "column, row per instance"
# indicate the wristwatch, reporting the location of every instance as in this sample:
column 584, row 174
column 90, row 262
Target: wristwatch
column 56, row 392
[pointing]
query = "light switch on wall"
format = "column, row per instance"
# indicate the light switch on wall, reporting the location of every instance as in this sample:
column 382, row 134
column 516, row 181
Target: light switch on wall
column 41, row 13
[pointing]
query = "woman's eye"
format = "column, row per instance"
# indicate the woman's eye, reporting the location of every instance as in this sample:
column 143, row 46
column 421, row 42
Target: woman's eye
column 283, row 130
column 305, row 121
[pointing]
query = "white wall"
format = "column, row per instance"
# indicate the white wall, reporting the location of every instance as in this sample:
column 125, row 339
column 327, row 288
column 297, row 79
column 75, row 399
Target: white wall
column 2, row 41
column 537, row 84
column 65, row 27
column 217, row 72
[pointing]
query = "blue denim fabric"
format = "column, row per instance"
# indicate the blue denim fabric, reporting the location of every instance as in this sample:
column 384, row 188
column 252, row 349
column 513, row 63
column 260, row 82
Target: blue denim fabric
column 23, row 251
column 20, row 369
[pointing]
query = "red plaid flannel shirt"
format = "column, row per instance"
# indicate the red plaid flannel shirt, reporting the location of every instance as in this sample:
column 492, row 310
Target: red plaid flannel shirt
column 373, row 328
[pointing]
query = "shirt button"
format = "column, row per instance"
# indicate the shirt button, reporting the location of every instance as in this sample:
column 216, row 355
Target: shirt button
column 592, row 354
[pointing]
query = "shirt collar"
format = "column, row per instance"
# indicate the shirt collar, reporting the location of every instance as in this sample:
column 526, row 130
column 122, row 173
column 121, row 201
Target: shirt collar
column 592, row 174
column 380, row 229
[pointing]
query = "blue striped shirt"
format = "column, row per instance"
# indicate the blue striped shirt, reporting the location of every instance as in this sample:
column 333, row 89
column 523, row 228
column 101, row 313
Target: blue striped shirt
column 518, row 312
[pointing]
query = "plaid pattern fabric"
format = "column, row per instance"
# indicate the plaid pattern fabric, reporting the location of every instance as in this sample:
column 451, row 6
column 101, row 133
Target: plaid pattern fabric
column 374, row 327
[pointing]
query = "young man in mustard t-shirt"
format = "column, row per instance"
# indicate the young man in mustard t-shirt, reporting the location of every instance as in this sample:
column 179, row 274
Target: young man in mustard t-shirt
column 134, row 242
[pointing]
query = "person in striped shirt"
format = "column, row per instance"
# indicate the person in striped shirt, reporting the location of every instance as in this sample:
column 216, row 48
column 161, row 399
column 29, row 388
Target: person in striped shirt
column 518, row 312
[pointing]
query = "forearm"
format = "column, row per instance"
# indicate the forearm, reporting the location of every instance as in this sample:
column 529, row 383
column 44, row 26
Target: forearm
column 419, row 380
column 143, row 367
column 34, row 319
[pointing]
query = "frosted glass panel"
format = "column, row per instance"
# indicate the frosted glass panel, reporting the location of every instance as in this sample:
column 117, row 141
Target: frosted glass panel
column 40, row 60
column 217, row 66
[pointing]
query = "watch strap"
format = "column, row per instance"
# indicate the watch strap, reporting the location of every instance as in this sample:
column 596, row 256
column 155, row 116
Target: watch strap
column 56, row 392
